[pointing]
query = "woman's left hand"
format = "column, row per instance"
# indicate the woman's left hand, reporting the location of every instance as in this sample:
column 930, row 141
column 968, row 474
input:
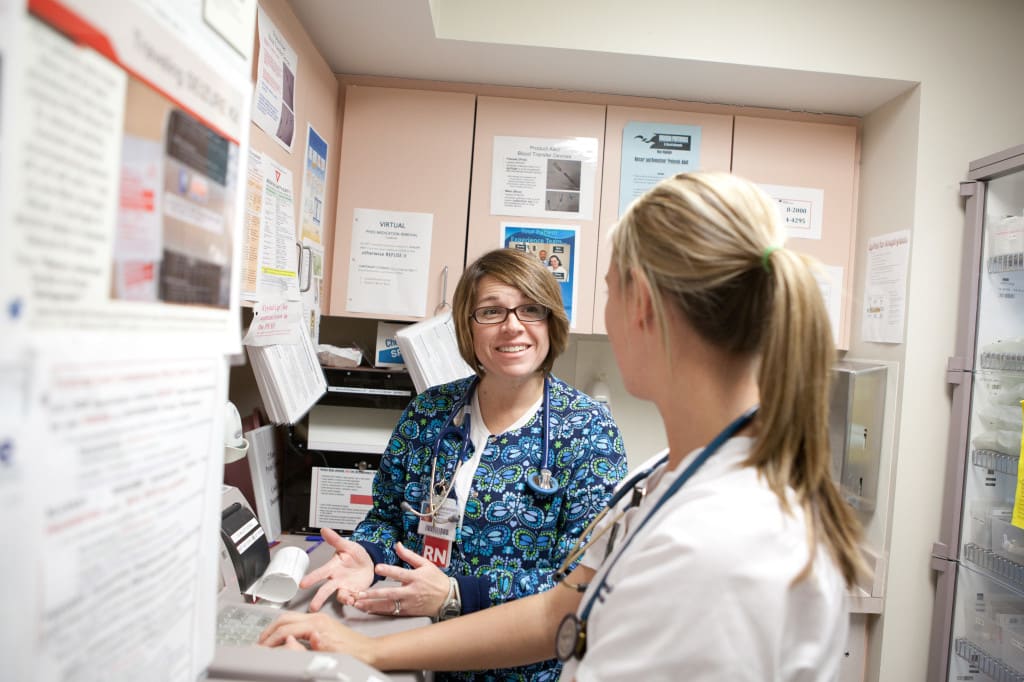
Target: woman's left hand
column 423, row 591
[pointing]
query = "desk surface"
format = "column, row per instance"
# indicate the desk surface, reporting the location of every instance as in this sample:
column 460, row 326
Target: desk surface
column 366, row 623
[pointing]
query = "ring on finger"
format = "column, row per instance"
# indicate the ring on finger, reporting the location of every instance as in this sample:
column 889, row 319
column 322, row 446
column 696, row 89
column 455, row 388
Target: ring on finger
column 398, row 607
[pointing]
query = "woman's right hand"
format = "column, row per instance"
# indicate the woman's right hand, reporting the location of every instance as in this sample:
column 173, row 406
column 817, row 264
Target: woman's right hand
column 347, row 573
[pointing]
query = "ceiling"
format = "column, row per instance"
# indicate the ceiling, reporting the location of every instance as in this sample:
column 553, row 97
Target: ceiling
column 397, row 38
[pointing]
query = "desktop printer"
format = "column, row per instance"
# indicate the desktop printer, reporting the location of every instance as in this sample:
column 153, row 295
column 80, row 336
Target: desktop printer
column 244, row 550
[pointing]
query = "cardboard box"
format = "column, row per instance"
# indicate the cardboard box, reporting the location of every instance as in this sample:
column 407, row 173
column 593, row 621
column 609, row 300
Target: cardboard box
column 387, row 353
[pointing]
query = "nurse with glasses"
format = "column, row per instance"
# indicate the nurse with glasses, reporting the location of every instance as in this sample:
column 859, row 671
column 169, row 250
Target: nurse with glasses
column 729, row 557
column 487, row 481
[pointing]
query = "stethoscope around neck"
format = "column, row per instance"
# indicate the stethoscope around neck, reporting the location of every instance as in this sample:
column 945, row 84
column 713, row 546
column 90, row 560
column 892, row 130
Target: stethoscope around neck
column 458, row 427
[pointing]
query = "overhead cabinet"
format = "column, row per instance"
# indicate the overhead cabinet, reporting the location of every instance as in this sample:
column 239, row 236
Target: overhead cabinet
column 405, row 163
column 811, row 169
column 686, row 141
column 536, row 186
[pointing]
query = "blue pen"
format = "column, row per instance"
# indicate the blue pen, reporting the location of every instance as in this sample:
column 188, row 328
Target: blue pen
column 314, row 546
column 314, row 538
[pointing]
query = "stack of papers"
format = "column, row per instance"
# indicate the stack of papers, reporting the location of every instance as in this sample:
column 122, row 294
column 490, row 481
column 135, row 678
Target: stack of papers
column 430, row 350
column 284, row 362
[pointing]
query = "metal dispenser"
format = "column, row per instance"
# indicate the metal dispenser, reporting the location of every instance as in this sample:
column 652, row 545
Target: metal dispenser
column 856, row 416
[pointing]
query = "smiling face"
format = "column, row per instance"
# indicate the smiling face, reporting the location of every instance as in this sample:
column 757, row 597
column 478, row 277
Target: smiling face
column 511, row 350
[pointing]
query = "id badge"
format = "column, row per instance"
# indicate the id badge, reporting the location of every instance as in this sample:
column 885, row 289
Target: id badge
column 439, row 533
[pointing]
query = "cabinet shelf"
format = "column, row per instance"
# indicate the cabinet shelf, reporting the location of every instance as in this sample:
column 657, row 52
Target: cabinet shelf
column 990, row 665
column 996, row 461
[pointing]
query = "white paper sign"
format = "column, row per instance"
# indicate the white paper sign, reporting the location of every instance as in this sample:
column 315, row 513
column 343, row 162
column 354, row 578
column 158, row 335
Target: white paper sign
column 390, row 261
column 885, row 287
column 544, row 177
column 339, row 498
column 800, row 209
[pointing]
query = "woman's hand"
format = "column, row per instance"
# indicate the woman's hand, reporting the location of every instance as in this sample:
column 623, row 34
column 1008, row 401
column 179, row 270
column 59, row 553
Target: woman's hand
column 348, row 572
column 423, row 591
column 323, row 633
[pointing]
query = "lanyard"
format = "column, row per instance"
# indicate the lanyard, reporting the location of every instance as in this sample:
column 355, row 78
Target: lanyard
column 728, row 432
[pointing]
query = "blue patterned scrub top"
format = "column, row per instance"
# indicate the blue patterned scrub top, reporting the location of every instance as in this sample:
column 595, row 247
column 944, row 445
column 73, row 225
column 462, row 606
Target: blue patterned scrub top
column 512, row 539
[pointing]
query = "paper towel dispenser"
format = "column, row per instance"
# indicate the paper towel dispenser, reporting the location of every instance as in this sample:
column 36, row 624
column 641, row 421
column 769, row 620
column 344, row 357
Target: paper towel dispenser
column 856, row 417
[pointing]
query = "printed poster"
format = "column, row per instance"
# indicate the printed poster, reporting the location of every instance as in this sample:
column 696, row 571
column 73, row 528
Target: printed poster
column 885, row 287
column 314, row 186
column 652, row 152
column 555, row 247
column 273, row 109
column 544, row 177
column 389, row 262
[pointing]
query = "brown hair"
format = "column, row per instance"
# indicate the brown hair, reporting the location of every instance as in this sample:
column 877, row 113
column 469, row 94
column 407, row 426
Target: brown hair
column 524, row 272
column 708, row 243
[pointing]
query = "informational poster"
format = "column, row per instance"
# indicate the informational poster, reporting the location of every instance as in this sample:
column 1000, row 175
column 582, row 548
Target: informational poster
column 555, row 247
column 131, row 449
column 389, row 266
column 544, row 177
column 885, row 287
column 274, row 107
column 339, row 498
column 278, row 250
column 652, row 152
column 254, row 181
column 314, row 187
column 801, row 209
column 122, row 202
column 830, row 279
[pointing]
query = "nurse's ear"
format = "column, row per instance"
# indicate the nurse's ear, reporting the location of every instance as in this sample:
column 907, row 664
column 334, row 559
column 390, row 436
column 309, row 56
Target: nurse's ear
column 640, row 304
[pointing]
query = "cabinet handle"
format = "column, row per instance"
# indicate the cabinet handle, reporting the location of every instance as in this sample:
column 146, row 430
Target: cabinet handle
column 444, row 291
column 309, row 267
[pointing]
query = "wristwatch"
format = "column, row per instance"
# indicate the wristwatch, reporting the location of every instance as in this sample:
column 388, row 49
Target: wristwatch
column 452, row 605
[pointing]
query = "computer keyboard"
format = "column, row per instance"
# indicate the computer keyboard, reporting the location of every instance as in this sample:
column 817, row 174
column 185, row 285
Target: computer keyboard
column 238, row 626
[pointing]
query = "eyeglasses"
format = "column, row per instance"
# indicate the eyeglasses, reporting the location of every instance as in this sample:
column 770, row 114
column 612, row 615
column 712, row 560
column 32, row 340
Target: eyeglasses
column 528, row 312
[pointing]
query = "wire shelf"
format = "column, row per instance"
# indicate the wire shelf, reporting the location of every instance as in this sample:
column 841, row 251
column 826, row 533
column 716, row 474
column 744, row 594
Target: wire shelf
column 1007, row 262
column 997, row 461
column 1000, row 566
column 985, row 662
column 1013, row 362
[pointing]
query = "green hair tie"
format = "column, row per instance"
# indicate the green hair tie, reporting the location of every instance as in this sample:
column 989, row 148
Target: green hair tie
column 765, row 263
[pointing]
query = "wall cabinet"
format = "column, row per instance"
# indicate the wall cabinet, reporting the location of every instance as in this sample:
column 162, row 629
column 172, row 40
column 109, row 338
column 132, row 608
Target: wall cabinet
column 525, row 118
column 715, row 153
column 405, row 150
column 809, row 155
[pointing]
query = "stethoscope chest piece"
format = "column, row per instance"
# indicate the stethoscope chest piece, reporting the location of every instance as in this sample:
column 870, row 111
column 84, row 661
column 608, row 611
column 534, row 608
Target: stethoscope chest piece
column 542, row 483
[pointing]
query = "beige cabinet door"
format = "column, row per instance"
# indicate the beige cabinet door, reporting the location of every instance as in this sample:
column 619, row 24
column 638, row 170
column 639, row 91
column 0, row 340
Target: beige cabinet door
column 810, row 156
column 409, row 151
column 546, row 122
column 714, row 154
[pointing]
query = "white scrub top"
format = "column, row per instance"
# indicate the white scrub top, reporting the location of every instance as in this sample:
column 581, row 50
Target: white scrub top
column 705, row 591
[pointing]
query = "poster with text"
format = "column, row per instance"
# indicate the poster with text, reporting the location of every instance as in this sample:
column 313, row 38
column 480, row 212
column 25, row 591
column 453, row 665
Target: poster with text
column 885, row 287
column 652, row 152
column 123, row 200
column 274, row 107
column 555, row 247
column 544, row 177
column 314, row 187
column 389, row 262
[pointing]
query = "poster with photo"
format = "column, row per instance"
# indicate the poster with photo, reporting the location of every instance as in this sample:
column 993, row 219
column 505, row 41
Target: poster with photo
column 544, row 177
column 555, row 247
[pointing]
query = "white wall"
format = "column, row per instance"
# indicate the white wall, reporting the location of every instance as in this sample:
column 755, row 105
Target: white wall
column 966, row 56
